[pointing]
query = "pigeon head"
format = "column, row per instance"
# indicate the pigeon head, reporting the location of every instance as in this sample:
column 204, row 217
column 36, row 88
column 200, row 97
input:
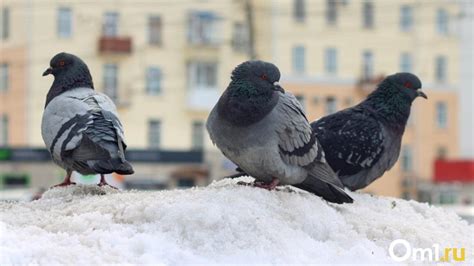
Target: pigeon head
column 252, row 93
column 69, row 72
column 262, row 75
column 392, row 99
column 407, row 84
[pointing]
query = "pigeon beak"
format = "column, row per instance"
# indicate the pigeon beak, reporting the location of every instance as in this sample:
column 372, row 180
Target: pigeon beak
column 277, row 87
column 47, row 71
column 421, row 94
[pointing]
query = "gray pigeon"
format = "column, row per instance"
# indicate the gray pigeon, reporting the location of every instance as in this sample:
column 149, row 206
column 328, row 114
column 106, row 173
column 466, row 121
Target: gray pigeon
column 80, row 126
column 363, row 142
column 264, row 131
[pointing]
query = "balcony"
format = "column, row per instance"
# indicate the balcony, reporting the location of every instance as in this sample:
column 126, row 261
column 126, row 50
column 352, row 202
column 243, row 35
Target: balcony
column 115, row 45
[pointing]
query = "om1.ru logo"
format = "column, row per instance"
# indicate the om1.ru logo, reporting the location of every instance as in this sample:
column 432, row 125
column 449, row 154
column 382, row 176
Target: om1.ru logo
column 426, row 254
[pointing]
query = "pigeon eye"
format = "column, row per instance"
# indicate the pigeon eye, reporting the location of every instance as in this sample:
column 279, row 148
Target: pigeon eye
column 408, row 84
column 61, row 63
column 264, row 77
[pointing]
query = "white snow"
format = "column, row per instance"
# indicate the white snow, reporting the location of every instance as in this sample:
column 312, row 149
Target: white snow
column 221, row 223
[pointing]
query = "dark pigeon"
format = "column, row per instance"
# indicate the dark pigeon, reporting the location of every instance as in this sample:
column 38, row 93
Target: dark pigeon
column 362, row 142
column 263, row 130
column 80, row 126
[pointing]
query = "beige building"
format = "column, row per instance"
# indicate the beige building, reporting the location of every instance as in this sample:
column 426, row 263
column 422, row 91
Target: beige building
column 329, row 51
column 165, row 63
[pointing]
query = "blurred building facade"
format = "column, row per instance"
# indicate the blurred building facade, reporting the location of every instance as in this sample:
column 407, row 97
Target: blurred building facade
column 165, row 63
column 333, row 53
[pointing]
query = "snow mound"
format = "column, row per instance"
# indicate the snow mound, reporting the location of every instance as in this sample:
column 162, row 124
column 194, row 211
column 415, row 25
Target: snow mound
column 221, row 223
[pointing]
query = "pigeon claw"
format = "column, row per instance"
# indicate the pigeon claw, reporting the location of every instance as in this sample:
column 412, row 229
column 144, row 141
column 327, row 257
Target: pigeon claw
column 104, row 183
column 64, row 184
column 269, row 186
column 101, row 184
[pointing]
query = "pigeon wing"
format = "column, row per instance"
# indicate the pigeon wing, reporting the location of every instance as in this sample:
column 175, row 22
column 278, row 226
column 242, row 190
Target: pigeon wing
column 104, row 135
column 298, row 144
column 352, row 141
column 81, row 125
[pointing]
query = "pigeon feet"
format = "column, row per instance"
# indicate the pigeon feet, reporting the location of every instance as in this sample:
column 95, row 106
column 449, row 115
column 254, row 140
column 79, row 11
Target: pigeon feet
column 64, row 184
column 66, row 181
column 104, row 183
column 101, row 184
column 270, row 186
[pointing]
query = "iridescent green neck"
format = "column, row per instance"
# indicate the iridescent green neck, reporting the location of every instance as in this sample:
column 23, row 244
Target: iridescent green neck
column 243, row 104
column 389, row 104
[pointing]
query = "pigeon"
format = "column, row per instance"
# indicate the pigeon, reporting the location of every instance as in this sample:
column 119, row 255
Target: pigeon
column 80, row 126
column 362, row 142
column 264, row 131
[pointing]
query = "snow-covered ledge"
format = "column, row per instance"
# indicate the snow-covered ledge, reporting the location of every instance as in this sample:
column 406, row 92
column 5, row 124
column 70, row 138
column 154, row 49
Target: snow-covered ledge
column 221, row 223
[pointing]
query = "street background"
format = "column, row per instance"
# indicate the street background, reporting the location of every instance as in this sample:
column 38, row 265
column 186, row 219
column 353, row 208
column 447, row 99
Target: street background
column 165, row 63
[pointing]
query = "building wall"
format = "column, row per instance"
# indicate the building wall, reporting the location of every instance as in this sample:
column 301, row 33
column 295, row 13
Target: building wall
column 466, row 91
column 13, row 52
column 385, row 39
column 387, row 42
column 34, row 38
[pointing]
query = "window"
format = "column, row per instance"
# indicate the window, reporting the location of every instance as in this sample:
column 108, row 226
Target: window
column 299, row 59
column 144, row 184
column 424, row 196
column 441, row 153
column 407, row 159
column 440, row 68
column 14, row 181
column 331, row 105
column 368, row 14
column 330, row 61
column 299, row 13
column 240, row 40
column 3, row 130
column 185, row 182
column 442, row 21
column 406, row 62
column 154, row 134
column 111, row 81
column 202, row 75
column 110, row 26
column 202, row 28
column 367, row 65
column 64, row 21
column 331, row 12
column 153, row 80
column 447, row 197
column 4, row 77
column 302, row 101
column 5, row 19
column 197, row 140
column 154, row 30
column 441, row 115
column 406, row 18
column 406, row 195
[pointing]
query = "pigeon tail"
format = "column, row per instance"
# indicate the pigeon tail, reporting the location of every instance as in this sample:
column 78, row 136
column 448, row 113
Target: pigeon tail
column 113, row 165
column 325, row 190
